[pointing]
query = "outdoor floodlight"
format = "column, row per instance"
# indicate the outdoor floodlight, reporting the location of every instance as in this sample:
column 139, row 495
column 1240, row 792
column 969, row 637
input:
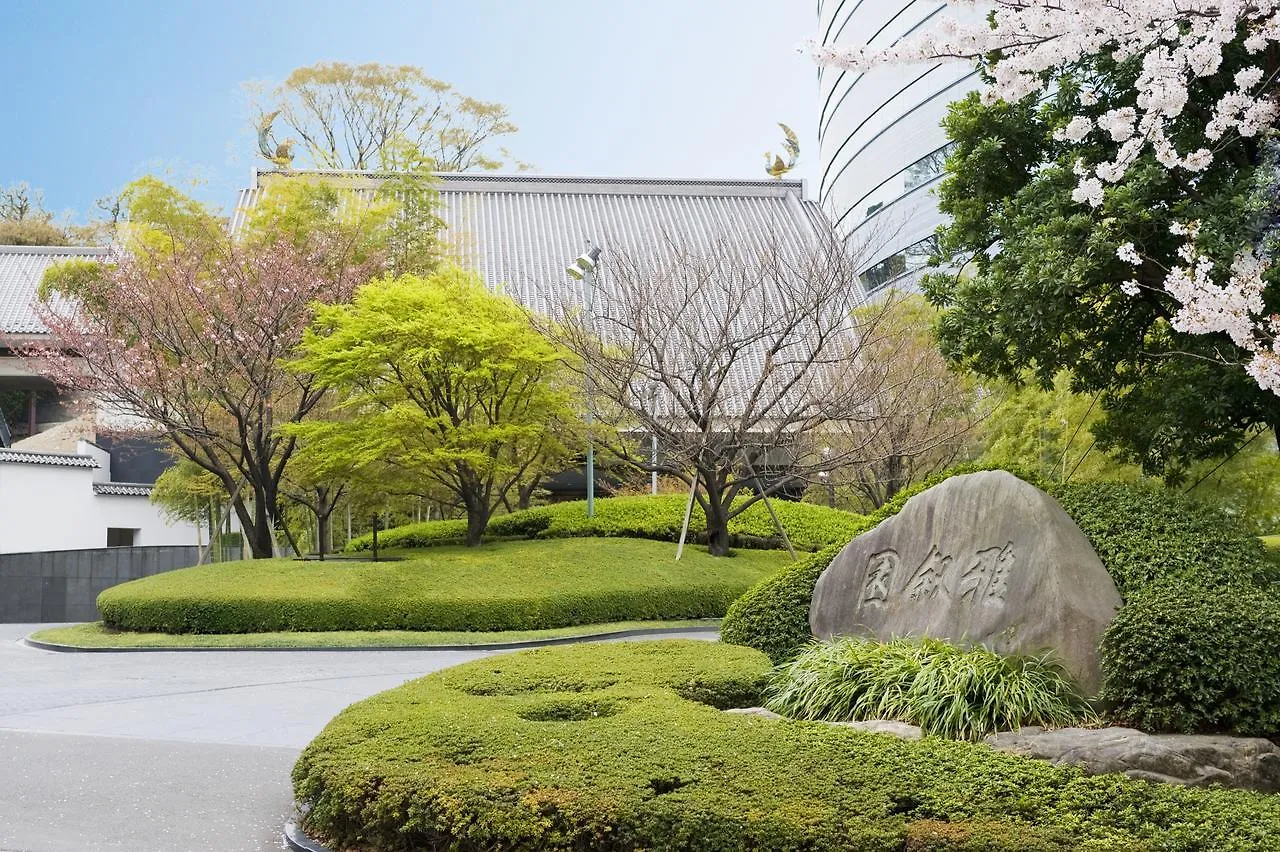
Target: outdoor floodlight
column 585, row 263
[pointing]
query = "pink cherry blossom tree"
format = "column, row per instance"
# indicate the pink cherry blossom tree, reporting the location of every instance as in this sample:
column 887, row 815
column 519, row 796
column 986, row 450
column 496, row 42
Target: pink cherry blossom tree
column 192, row 338
column 1025, row 46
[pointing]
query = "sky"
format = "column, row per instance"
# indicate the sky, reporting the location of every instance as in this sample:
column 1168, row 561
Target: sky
column 95, row 94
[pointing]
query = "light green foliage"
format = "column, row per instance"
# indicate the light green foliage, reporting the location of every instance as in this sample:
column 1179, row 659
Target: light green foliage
column 513, row 586
column 97, row 635
column 398, row 222
column 658, row 517
column 622, row 747
column 1049, row 431
column 438, row 381
column 186, row 492
column 944, row 690
column 383, row 117
column 1246, row 486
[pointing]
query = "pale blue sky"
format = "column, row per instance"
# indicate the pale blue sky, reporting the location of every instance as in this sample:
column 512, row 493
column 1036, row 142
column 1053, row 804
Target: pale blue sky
column 95, row 94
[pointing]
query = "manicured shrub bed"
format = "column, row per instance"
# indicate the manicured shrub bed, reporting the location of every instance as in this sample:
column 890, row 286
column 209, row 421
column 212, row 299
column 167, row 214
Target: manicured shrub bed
column 622, row 747
column 810, row 527
column 522, row 585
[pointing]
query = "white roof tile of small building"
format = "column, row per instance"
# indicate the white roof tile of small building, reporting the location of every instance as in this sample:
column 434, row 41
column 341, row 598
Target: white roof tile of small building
column 122, row 489
column 57, row 459
column 21, row 268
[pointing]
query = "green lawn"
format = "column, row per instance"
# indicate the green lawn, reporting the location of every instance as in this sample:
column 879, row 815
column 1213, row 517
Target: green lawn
column 517, row 585
column 1271, row 542
column 97, row 635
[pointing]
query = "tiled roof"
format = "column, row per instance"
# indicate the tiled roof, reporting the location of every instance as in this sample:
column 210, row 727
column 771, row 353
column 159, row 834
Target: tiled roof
column 21, row 268
column 122, row 489
column 58, row 459
column 519, row 232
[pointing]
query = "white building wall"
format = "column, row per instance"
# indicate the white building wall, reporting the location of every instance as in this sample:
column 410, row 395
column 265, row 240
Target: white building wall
column 51, row 507
column 879, row 136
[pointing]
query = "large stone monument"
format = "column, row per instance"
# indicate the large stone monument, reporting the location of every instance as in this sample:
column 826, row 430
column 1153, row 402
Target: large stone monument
column 982, row 559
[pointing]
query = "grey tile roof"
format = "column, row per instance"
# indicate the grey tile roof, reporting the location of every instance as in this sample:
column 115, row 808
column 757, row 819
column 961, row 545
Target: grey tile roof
column 122, row 489
column 21, row 268
column 58, row 459
column 519, row 232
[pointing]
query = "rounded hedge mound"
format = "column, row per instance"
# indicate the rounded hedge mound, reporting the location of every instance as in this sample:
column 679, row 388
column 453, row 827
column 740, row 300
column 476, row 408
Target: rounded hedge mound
column 810, row 527
column 521, row 585
column 622, row 747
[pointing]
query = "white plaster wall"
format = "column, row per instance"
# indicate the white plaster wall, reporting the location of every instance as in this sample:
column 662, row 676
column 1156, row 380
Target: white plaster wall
column 47, row 507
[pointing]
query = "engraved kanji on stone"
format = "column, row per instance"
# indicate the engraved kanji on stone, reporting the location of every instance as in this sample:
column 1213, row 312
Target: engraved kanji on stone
column 881, row 569
column 928, row 578
column 988, row 575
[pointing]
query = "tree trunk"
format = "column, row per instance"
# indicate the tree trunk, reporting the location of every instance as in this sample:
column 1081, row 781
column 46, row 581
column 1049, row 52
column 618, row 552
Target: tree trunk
column 477, row 520
column 261, row 543
column 717, row 521
column 323, row 520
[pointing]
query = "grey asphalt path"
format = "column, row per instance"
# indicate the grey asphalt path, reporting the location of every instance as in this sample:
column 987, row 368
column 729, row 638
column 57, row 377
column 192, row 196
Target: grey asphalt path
column 171, row 752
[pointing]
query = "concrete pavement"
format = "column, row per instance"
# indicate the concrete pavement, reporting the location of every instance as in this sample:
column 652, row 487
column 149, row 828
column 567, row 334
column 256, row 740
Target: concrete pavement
column 170, row 752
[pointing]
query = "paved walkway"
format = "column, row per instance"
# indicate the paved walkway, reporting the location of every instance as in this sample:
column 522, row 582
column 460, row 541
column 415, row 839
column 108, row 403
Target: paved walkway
column 170, row 752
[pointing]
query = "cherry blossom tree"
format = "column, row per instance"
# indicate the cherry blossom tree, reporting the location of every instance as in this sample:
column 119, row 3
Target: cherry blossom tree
column 1179, row 46
column 192, row 339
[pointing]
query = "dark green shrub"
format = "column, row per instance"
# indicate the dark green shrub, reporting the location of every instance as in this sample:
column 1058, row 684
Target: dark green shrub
column 1190, row 659
column 943, row 690
column 809, row 527
column 452, row 761
column 518, row 585
column 773, row 615
column 1147, row 535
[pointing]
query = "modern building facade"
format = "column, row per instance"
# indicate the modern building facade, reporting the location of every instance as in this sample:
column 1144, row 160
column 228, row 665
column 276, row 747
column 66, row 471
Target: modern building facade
column 881, row 145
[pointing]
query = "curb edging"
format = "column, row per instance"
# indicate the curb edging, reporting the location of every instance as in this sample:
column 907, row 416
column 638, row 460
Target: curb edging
column 489, row 646
column 297, row 840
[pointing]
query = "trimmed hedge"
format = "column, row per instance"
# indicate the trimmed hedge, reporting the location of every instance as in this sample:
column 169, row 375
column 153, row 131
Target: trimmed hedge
column 1147, row 536
column 1181, row 658
column 522, row 585
column 810, row 527
column 773, row 615
column 621, row 747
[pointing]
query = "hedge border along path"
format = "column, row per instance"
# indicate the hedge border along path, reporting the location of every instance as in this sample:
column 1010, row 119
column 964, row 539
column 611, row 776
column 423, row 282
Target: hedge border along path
column 522, row 585
column 809, row 526
column 621, row 746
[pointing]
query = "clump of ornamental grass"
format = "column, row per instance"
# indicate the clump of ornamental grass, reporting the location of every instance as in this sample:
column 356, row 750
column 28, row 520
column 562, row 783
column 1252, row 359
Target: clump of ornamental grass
column 944, row 690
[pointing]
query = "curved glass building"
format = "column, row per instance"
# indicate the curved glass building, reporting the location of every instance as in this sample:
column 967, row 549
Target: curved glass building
column 881, row 147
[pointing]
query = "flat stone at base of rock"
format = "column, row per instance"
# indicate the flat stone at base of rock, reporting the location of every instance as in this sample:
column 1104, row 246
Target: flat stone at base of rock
column 884, row 726
column 1197, row 760
column 754, row 711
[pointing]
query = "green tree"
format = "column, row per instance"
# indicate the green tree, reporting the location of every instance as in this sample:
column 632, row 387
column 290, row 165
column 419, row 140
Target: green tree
column 382, row 117
column 1049, row 431
column 442, row 385
column 1040, row 287
column 24, row 221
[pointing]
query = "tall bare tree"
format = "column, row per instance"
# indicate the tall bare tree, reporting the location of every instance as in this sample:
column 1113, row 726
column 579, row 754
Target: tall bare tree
column 922, row 414
column 739, row 355
column 375, row 116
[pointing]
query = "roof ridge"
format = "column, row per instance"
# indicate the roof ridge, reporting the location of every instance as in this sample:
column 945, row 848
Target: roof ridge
column 516, row 181
column 68, row 250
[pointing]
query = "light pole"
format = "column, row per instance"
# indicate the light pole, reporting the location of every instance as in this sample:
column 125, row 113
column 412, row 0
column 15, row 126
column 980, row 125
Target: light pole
column 584, row 269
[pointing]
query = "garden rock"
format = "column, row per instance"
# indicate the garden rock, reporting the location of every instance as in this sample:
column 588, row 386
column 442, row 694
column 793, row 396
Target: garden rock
column 983, row 559
column 884, row 726
column 1196, row 760
column 754, row 711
